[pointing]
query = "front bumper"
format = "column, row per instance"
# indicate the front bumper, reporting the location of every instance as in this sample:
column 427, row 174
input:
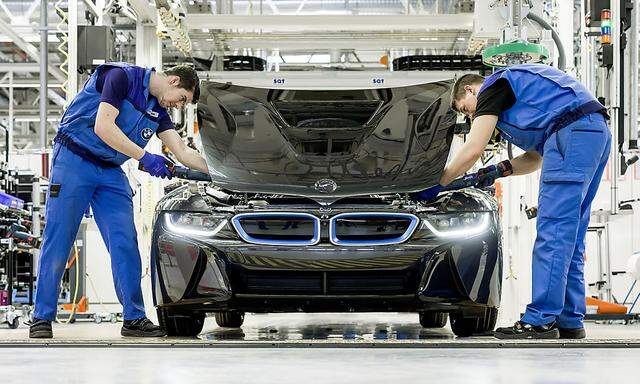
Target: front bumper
column 434, row 274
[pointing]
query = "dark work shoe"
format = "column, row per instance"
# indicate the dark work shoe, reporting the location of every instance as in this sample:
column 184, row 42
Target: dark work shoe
column 141, row 327
column 572, row 333
column 522, row 330
column 40, row 329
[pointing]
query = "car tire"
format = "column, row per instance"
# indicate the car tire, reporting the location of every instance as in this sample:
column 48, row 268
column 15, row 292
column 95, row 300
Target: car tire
column 183, row 324
column 230, row 319
column 464, row 326
column 433, row 319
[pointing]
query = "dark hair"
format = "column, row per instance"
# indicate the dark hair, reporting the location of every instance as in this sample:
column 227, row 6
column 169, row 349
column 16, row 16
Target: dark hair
column 188, row 79
column 458, row 88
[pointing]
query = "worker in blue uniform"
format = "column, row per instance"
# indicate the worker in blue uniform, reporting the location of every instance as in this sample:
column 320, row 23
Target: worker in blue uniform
column 112, row 118
column 561, row 126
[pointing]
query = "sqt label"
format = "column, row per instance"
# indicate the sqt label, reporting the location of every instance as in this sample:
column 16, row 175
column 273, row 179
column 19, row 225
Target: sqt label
column 278, row 81
column 378, row 81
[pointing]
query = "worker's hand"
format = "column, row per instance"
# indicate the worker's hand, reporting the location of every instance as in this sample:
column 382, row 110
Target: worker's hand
column 428, row 194
column 156, row 165
column 488, row 175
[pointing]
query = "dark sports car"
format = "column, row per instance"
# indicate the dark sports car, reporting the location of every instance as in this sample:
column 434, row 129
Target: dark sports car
column 309, row 210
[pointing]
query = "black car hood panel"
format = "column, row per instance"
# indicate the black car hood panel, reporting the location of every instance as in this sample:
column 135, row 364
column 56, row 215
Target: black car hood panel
column 325, row 144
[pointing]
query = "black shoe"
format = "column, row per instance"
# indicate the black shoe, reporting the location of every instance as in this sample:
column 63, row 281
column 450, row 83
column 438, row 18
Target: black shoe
column 141, row 327
column 40, row 329
column 522, row 330
column 572, row 333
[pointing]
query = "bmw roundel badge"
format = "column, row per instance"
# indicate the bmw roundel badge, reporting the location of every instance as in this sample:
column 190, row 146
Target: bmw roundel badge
column 147, row 133
column 325, row 186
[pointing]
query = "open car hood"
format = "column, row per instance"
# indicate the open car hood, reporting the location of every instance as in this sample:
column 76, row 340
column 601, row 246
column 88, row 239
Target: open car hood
column 326, row 144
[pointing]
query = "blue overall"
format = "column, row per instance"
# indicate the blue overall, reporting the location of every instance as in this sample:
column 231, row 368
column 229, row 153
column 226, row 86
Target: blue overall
column 557, row 116
column 87, row 172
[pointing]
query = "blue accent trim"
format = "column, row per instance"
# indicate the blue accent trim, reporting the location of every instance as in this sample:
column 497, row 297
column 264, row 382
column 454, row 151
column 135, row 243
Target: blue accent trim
column 235, row 221
column 354, row 243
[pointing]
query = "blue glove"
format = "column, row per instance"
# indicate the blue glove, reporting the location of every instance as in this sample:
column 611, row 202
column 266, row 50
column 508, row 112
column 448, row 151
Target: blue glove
column 156, row 165
column 428, row 194
column 488, row 175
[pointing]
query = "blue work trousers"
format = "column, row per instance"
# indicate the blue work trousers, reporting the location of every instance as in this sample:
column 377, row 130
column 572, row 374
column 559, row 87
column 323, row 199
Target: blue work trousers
column 107, row 191
column 572, row 165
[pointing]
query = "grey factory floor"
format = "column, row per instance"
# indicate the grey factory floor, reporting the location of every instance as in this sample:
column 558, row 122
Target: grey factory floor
column 318, row 348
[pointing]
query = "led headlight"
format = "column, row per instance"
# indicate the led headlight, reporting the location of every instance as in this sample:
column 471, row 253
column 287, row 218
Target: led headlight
column 459, row 224
column 194, row 224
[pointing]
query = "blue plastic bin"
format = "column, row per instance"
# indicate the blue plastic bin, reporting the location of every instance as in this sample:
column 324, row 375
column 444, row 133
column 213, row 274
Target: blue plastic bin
column 11, row 201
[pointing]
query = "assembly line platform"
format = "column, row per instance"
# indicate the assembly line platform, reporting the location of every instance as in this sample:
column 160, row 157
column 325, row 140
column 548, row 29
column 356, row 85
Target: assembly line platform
column 377, row 330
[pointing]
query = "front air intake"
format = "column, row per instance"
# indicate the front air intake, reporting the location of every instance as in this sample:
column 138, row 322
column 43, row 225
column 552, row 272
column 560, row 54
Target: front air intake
column 278, row 228
column 371, row 228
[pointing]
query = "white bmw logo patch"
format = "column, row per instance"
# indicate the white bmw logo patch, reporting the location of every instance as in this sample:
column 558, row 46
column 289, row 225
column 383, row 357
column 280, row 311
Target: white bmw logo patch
column 147, row 133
